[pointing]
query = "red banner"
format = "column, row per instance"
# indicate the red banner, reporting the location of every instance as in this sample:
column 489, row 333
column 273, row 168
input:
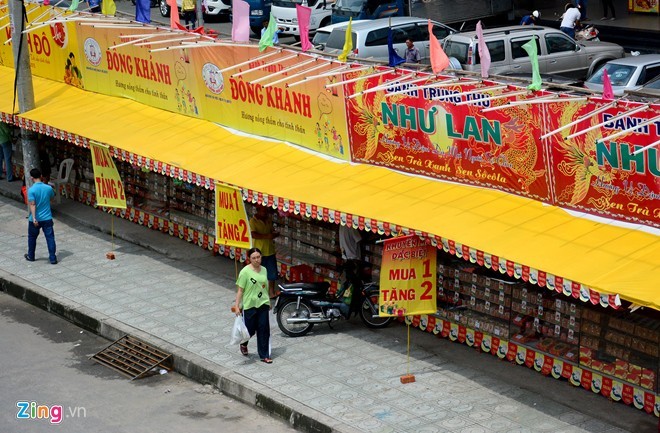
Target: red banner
column 424, row 131
column 606, row 177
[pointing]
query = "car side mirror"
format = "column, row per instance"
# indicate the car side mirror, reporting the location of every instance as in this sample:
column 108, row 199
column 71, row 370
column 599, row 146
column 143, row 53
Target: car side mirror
column 577, row 47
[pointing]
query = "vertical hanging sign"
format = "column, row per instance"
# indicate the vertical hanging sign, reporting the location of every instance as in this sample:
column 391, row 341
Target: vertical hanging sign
column 408, row 277
column 109, row 187
column 231, row 221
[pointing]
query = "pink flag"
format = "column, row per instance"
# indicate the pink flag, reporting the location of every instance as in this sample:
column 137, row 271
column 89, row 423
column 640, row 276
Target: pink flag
column 484, row 54
column 240, row 28
column 439, row 60
column 175, row 23
column 608, row 92
column 304, row 15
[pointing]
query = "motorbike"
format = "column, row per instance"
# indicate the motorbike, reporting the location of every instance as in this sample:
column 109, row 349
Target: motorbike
column 300, row 306
column 587, row 33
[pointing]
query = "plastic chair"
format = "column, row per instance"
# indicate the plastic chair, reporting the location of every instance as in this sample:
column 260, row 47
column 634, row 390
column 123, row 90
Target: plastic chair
column 62, row 177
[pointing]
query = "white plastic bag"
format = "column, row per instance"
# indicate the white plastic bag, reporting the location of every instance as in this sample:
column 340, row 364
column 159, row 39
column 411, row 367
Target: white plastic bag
column 239, row 333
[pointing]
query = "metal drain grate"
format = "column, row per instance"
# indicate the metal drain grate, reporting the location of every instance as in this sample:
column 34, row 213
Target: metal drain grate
column 132, row 357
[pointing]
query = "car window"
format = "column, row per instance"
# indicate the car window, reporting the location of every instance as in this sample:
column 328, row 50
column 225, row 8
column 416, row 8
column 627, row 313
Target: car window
column 338, row 37
column 649, row 73
column 377, row 37
column 320, row 38
column 518, row 52
column 558, row 44
column 496, row 50
column 408, row 31
column 457, row 49
column 619, row 74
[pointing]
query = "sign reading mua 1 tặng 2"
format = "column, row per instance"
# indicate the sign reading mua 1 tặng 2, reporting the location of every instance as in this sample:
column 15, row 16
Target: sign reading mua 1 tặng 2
column 109, row 187
column 407, row 277
column 231, row 222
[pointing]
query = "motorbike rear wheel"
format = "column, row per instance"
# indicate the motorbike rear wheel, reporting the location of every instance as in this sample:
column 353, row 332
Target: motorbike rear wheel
column 369, row 309
column 289, row 309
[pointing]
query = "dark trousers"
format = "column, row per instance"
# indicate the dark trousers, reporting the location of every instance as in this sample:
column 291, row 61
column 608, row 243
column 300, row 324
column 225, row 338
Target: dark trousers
column 256, row 321
column 189, row 17
column 608, row 5
column 49, row 233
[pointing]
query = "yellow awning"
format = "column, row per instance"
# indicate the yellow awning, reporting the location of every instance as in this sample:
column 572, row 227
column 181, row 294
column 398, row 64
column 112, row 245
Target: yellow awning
column 607, row 258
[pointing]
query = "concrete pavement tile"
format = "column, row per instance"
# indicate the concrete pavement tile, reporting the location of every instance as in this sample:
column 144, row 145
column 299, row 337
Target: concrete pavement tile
column 432, row 428
column 498, row 423
column 543, row 424
column 446, row 402
column 321, row 402
column 361, row 401
column 456, row 422
column 474, row 429
column 353, row 416
column 573, row 417
column 374, row 425
column 347, row 394
column 570, row 429
column 521, row 429
column 511, row 407
column 480, row 415
column 594, row 425
column 222, row 357
column 388, row 413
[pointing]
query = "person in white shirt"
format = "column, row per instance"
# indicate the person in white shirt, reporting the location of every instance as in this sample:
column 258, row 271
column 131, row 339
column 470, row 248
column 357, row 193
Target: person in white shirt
column 570, row 20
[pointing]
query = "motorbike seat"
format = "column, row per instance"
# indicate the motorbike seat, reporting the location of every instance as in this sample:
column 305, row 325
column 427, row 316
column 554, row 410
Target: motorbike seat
column 318, row 287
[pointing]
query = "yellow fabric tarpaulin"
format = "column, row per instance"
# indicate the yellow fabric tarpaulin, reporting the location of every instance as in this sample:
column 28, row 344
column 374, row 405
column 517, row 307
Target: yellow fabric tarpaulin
column 608, row 258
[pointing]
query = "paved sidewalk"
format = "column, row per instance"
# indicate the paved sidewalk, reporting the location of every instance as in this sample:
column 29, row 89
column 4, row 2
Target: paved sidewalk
column 177, row 297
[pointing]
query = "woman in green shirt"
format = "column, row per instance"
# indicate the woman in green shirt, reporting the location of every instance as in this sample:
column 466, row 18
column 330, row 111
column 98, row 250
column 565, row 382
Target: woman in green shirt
column 252, row 299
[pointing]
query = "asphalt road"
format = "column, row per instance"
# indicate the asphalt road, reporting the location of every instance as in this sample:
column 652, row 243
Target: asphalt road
column 45, row 359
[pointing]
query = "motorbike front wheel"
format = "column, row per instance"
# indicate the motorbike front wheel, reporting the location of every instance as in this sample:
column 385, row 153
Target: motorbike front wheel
column 369, row 313
column 291, row 310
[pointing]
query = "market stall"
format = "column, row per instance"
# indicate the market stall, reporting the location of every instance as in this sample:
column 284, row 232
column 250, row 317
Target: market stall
column 521, row 277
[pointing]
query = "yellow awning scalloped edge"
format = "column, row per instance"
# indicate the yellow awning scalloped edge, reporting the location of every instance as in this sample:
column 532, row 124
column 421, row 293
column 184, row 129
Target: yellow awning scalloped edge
column 597, row 261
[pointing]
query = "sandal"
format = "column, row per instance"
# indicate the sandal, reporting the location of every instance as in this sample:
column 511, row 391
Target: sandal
column 244, row 350
column 267, row 360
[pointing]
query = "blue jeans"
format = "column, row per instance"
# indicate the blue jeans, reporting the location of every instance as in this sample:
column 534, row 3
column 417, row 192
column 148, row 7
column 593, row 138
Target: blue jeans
column 6, row 155
column 570, row 31
column 33, row 233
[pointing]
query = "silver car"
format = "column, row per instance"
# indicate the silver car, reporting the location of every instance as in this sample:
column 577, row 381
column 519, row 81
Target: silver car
column 370, row 37
column 557, row 52
column 630, row 73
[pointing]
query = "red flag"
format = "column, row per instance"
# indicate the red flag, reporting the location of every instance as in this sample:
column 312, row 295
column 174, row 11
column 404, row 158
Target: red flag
column 439, row 60
column 175, row 23
column 484, row 54
column 240, row 28
column 608, row 93
column 304, row 16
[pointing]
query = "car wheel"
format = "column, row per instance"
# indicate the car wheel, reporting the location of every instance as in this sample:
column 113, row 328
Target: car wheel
column 164, row 8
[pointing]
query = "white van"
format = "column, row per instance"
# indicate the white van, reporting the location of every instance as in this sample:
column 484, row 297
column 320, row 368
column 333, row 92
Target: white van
column 370, row 37
column 323, row 33
column 285, row 14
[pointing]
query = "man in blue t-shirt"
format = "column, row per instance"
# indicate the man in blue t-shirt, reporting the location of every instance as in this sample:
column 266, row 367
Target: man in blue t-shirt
column 40, row 217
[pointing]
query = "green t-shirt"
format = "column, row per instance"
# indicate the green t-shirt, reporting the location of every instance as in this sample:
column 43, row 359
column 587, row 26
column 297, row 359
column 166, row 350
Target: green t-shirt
column 255, row 287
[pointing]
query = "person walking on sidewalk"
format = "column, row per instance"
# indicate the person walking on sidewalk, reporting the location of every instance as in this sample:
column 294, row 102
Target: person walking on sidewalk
column 261, row 228
column 189, row 15
column 41, row 217
column 5, row 141
column 252, row 300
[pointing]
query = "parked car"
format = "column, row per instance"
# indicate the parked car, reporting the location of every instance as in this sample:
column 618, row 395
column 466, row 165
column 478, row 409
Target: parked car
column 286, row 16
column 630, row 73
column 211, row 7
column 322, row 34
column 370, row 37
column 557, row 52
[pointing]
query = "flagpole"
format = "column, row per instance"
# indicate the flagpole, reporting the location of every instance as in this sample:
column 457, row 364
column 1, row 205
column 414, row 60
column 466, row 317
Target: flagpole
column 575, row 122
column 624, row 114
column 627, row 130
column 646, row 147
